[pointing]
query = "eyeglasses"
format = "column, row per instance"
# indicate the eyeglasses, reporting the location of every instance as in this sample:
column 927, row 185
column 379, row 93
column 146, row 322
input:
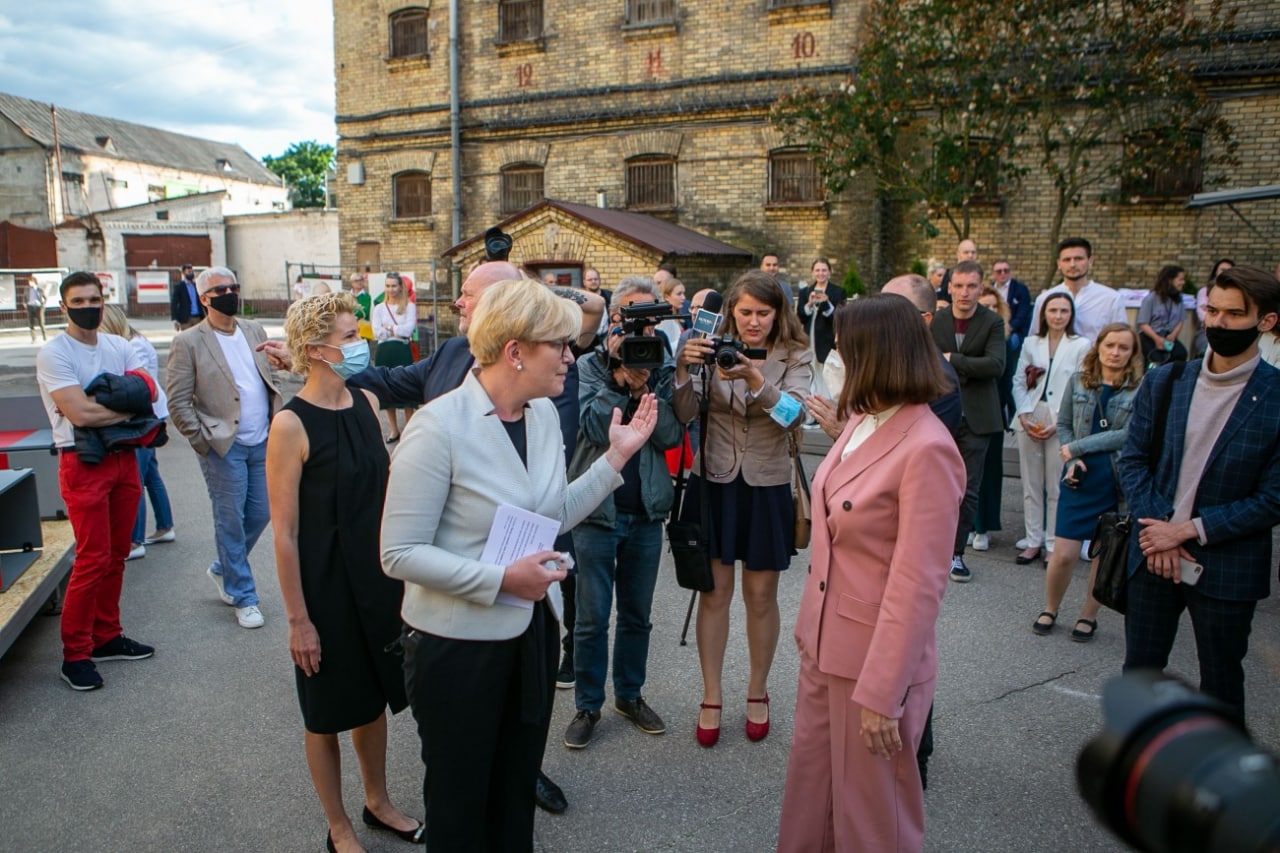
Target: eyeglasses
column 1001, row 269
column 220, row 289
column 563, row 346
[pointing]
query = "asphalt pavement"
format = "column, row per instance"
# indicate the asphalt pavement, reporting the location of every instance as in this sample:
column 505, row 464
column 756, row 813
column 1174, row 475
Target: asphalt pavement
column 200, row 748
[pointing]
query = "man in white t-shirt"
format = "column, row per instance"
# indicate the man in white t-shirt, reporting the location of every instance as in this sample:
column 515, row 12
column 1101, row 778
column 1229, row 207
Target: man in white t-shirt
column 102, row 499
column 1096, row 304
column 221, row 397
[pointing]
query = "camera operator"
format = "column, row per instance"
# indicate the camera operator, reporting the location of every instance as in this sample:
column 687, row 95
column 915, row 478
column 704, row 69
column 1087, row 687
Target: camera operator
column 752, row 406
column 619, row 545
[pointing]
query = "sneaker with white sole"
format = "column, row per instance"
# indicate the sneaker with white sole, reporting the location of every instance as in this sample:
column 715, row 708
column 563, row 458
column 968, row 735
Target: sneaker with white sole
column 959, row 571
column 222, row 592
column 122, row 648
column 981, row 542
column 81, row 675
column 136, row 552
column 159, row 538
column 249, row 617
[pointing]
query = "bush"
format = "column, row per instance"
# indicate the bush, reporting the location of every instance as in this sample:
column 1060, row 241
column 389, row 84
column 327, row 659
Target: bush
column 852, row 283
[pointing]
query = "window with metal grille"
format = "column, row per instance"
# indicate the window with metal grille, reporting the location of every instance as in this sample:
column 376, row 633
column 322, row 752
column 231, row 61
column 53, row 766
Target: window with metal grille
column 519, row 20
column 521, row 187
column 643, row 13
column 412, row 194
column 408, row 33
column 651, row 182
column 793, row 178
column 1164, row 176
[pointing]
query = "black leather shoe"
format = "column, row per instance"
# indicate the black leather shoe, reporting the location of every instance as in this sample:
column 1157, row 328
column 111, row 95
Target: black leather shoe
column 548, row 795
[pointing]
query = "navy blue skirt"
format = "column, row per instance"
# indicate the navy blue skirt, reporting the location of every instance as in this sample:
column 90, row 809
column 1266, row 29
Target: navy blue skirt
column 1078, row 509
column 754, row 525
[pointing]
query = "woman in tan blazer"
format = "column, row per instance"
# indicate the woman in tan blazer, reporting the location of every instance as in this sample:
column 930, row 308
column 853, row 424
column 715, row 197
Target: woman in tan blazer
column 751, row 515
column 865, row 630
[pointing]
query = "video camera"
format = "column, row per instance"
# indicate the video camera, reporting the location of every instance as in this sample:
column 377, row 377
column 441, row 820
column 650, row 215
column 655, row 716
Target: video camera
column 640, row 351
column 725, row 350
column 1173, row 770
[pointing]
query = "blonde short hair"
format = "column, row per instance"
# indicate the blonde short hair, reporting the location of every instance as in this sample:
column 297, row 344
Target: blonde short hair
column 115, row 323
column 310, row 321
column 523, row 310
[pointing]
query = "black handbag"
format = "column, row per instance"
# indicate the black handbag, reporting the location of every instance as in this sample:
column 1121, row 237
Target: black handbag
column 689, row 547
column 1110, row 542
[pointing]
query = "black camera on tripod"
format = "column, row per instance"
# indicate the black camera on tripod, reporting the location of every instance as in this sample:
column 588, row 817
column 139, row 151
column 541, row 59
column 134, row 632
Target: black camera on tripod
column 640, row 351
column 726, row 348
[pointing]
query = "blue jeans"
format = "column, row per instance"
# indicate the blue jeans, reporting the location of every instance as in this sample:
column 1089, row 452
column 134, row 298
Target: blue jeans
column 626, row 559
column 149, row 474
column 238, row 491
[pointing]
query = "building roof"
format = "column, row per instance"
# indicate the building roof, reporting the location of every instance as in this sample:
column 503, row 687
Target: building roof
column 1209, row 199
column 655, row 234
column 123, row 140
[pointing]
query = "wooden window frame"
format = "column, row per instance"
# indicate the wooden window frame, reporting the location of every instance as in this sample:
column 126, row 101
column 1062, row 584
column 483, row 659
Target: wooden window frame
column 645, row 189
column 1164, row 182
column 411, row 45
column 520, row 20
column 810, row 190
column 514, row 198
column 650, row 13
column 410, row 205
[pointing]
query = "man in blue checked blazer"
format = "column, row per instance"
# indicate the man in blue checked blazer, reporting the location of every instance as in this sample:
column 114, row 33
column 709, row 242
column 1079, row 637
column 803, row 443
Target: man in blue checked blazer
column 1207, row 492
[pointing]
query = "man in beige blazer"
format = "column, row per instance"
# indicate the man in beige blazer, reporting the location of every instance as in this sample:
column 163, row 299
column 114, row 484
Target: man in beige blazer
column 221, row 397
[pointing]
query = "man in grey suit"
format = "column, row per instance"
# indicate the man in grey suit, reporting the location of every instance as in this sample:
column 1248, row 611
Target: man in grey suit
column 972, row 340
column 221, row 397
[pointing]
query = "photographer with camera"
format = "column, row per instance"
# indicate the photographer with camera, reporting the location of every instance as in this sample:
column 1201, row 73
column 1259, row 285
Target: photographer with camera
column 619, row 545
column 753, row 379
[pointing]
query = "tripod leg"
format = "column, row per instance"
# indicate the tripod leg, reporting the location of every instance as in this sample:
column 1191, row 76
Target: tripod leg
column 684, row 632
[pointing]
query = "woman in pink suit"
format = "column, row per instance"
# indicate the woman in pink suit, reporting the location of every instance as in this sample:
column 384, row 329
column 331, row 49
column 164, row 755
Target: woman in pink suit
column 868, row 655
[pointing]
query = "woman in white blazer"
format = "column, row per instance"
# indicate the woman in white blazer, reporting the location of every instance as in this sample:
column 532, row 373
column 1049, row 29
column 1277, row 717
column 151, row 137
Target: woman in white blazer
column 1044, row 369
column 481, row 643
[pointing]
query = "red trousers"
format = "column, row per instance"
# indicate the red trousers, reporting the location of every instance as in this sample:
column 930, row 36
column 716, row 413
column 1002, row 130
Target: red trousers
column 102, row 505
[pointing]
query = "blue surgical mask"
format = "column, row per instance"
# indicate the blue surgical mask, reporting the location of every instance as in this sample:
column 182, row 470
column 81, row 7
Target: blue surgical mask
column 355, row 358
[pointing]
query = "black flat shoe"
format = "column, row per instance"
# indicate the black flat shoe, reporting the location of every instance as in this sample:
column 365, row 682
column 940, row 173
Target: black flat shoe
column 1084, row 636
column 1028, row 556
column 417, row 835
column 1043, row 628
column 548, row 796
column 328, row 843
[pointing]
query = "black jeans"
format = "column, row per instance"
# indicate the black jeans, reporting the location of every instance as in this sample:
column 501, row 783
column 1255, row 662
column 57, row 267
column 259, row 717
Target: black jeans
column 973, row 449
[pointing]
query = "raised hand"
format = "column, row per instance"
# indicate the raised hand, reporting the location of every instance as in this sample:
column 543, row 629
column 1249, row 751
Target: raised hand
column 625, row 440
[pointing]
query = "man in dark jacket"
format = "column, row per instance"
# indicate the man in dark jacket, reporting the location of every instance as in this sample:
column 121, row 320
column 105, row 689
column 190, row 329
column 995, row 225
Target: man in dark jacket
column 185, row 309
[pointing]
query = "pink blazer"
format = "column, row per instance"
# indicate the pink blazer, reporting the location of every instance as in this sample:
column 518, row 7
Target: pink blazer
column 883, row 524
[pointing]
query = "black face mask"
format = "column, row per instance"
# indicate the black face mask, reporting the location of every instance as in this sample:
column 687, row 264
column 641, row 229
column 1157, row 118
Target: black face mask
column 190, row 276
column 86, row 318
column 1230, row 342
column 226, row 303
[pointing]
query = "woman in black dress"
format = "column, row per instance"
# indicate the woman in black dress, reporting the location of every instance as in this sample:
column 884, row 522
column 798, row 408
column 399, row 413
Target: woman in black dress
column 326, row 479
column 817, row 306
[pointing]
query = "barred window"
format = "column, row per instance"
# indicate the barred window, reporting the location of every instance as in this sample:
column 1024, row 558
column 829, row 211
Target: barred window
column 793, row 178
column 651, row 182
column 643, row 13
column 1164, row 175
column 412, row 194
column 519, row 20
column 408, row 33
column 521, row 186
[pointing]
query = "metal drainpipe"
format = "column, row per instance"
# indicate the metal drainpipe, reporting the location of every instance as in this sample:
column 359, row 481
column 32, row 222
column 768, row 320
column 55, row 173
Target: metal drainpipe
column 455, row 123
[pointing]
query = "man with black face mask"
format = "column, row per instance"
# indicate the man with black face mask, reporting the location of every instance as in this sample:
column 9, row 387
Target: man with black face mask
column 221, row 397
column 1206, row 493
column 184, row 303
column 101, row 498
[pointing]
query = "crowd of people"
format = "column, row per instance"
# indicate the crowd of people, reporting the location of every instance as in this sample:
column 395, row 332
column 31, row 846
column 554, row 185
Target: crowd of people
column 916, row 391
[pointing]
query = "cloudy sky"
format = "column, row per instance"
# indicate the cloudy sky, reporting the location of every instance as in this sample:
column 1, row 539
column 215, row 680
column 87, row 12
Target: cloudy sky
column 258, row 73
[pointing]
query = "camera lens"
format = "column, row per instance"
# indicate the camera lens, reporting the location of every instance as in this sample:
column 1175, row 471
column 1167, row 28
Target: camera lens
column 726, row 358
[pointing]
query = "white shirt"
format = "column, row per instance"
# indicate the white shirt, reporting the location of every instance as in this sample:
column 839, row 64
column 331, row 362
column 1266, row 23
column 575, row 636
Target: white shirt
column 1096, row 306
column 404, row 322
column 64, row 362
column 255, row 406
column 151, row 364
column 869, row 424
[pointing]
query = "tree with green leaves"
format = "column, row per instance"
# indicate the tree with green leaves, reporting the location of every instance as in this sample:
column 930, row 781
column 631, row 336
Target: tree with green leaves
column 952, row 103
column 303, row 168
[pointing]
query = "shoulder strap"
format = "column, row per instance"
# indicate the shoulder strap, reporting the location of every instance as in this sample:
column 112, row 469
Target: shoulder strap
column 1162, row 411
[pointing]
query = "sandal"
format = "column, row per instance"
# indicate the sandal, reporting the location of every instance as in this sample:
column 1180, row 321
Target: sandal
column 1043, row 628
column 1029, row 556
column 1084, row 636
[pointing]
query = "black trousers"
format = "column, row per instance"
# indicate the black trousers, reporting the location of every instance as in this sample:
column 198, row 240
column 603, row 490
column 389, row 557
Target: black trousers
column 1221, row 628
column 482, row 709
column 973, row 449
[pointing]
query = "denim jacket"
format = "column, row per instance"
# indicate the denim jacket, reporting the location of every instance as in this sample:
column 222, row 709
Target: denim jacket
column 1075, row 420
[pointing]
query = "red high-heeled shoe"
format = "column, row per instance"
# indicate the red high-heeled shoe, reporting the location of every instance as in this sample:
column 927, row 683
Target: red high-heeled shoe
column 758, row 731
column 708, row 737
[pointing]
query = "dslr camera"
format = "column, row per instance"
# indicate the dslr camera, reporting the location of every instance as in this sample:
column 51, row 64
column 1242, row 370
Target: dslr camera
column 1173, row 770
column 725, row 350
column 640, row 351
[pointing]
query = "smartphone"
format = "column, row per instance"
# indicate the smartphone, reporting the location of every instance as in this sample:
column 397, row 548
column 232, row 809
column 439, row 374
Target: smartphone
column 1191, row 572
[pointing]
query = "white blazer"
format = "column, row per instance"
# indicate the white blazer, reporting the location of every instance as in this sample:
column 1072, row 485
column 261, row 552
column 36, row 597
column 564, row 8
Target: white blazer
column 1051, row 387
column 454, row 466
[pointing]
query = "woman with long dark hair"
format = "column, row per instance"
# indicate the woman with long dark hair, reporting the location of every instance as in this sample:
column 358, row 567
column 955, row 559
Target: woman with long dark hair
column 1161, row 316
column 395, row 319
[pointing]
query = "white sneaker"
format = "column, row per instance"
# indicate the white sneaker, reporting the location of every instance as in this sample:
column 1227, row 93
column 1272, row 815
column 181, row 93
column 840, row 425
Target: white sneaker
column 1084, row 550
column 222, row 592
column 249, row 617
column 968, row 540
column 158, row 538
column 1022, row 544
column 981, row 542
column 136, row 553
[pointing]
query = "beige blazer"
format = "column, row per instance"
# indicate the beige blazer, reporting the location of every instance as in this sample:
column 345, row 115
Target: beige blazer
column 204, row 403
column 741, row 435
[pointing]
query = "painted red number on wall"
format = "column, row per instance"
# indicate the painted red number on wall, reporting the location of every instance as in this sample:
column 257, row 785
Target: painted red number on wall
column 524, row 75
column 804, row 45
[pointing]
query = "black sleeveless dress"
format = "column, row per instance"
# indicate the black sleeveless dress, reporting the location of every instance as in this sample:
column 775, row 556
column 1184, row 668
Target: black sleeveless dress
column 353, row 605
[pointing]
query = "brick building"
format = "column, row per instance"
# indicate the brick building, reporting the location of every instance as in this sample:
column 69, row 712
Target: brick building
column 661, row 107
